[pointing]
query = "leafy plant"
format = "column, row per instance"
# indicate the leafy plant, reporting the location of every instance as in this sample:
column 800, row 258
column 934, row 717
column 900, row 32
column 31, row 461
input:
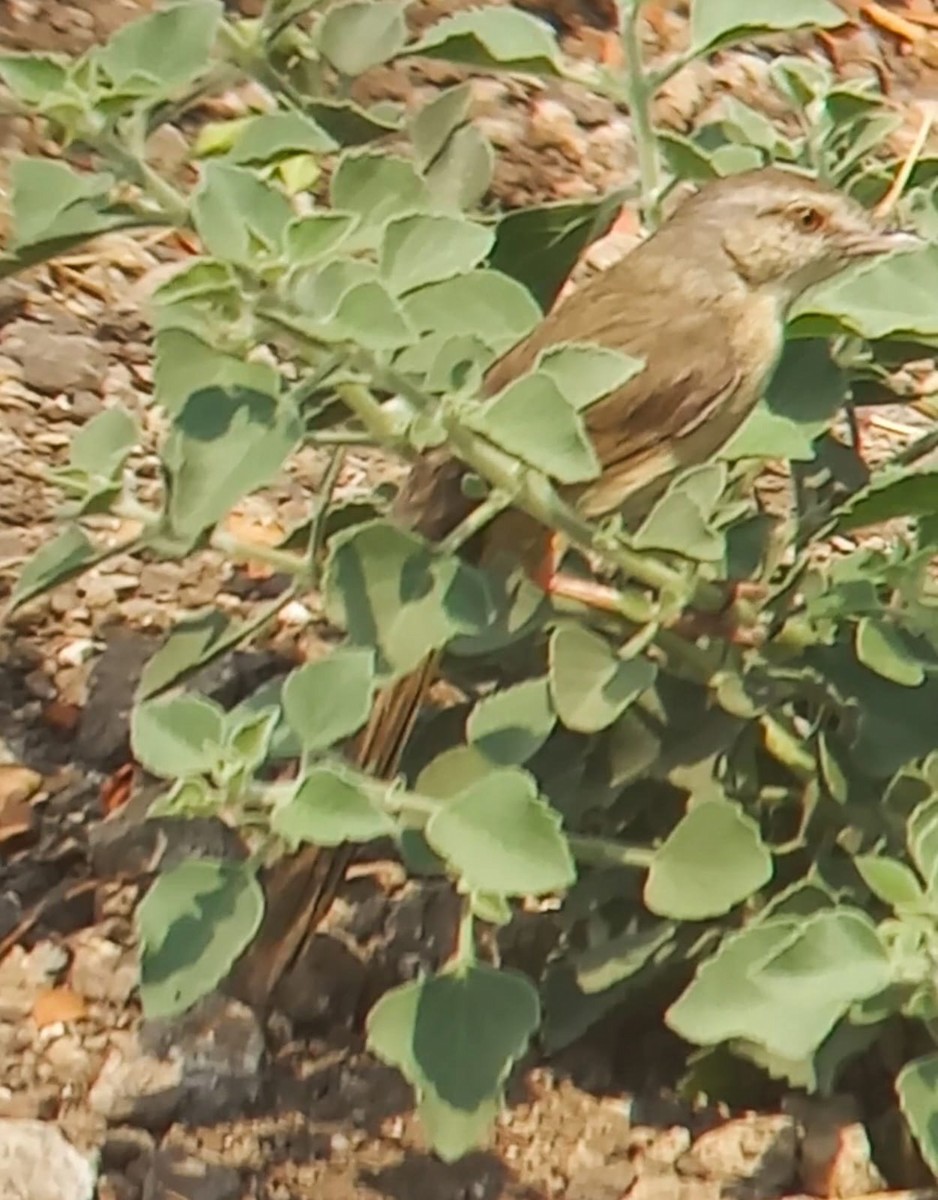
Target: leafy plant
column 762, row 818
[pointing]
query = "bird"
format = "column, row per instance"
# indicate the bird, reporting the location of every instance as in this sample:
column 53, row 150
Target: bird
column 702, row 302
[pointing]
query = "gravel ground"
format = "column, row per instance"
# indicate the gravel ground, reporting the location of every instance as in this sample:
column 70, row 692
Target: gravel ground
column 222, row 1105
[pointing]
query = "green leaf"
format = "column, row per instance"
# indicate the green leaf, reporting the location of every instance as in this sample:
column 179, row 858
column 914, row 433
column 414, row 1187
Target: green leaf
column 435, row 123
column 179, row 736
column 34, row 79
column 607, row 963
column 835, row 956
column 922, row 837
column 716, row 23
column 419, row 249
column 511, row 724
column 540, row 246
column 102, row 445
column 187, row 365
column 455, row 158
column 310, row 238
column 222, row 446
column 248, row 739
column 377, row 187
column 330, row 806
column 273, row 136
column 891, row 297
column 55, row 206
column 897, row 494
column 362, row 34
column 328, row 700
column 392, row 593
column 711, row 861
column 236, row 215
column 192, row 926
column 462, row 174
column 880, row 646
column 369, row 315
column 67, row 555
column 485, row 304
column 494, row 39
column 729, row 998
column 194, row 641
column 889, row 880
column 161, row 52
column 348, row 122
column 589, row 684
column 584, row 373
column 804, row 397
column 453, row 771
column 454, row 1037
column 531, row 419
column 501, row 837
column 917, row 1088
column 680, row 521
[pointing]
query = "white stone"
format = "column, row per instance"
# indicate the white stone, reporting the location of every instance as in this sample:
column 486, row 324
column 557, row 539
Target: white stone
column 37, row 1163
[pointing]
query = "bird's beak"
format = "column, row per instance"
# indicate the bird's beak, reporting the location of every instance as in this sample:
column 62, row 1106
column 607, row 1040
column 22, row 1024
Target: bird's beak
column 884, row 241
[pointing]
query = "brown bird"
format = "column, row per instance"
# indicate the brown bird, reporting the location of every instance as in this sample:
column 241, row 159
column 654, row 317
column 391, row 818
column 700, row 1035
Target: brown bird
column 703, row 302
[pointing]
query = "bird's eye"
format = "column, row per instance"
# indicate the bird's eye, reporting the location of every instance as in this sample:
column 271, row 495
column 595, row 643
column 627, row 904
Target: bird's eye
column 808, row 219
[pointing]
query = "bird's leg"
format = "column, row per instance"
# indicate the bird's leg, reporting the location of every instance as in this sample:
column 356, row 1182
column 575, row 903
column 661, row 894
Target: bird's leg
column 722, row 623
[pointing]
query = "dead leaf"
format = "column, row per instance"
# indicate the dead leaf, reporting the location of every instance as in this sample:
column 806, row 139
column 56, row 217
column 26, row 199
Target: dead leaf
column 116, row 789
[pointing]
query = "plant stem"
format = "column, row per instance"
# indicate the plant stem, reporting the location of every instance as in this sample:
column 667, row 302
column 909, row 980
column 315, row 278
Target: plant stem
column 639, row 89
column 602, row 852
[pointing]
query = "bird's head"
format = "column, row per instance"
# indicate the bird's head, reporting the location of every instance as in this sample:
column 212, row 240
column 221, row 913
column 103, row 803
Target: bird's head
column 784, row 232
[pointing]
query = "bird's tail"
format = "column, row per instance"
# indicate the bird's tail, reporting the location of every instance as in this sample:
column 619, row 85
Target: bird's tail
column 301, row 888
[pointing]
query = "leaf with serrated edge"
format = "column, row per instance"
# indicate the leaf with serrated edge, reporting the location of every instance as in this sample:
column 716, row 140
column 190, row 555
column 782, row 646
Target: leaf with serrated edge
column 511, row 724
column 502, row 837
column 494, row 39
column 330, row 806
column 327, row 700
column 362, row 34
column 531, row 419
column 727, row 1000
column 712, row 860
column 590, row 685
column 422, row 249
column 455, row 1037
column 192, row 925
column 720, row 22
column 179, row 736
column 889, row 880
column 487, row 304
column 584, row 374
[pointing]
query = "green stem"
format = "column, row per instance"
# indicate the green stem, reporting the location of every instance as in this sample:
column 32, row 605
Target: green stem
column 639, row 89
column 317, row 527
column 493, row 504
column 601, row 852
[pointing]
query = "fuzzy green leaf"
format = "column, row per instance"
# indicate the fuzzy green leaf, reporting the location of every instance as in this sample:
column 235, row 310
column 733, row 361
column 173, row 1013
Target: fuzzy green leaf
column 329, row 806
column 327, row 700
column 362, row 34
column 192, row 926
column 712, row 860
column 494, row 39
column 513, row 723
column 589, row 684
column 502, row 838
column 179, row 736
column 716, row 23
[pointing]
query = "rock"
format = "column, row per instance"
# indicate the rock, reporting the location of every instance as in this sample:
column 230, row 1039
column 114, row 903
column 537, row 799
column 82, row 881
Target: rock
column 610, row 1181
column 125, row 1145
column 55, row 362
column 137, row 1088
column 204, row 1064
column 836, row 1159
column 175, row 1175
column 755, row 1151
column 101, row 969
column 37, row 1163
